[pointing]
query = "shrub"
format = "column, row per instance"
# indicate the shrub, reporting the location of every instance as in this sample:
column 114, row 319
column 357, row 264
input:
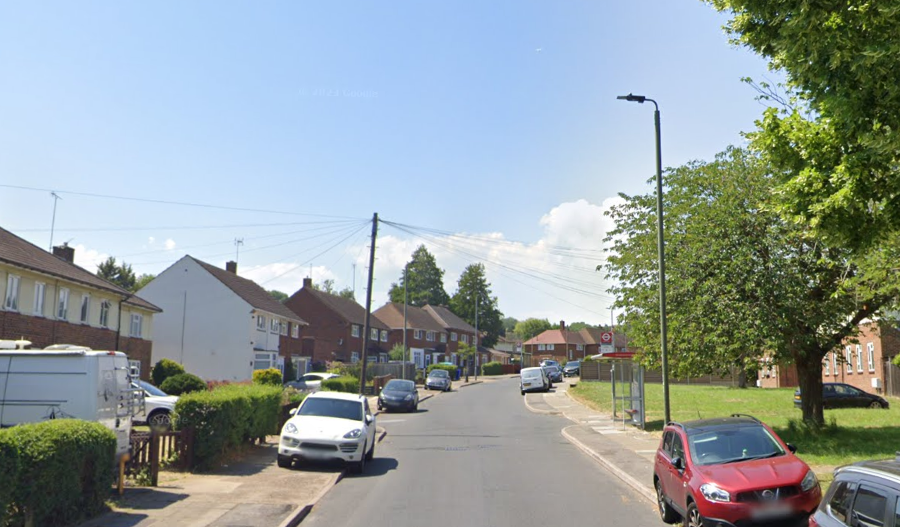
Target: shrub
column 164, row 369
column 289, row 373
column 66, row 468
column 9, row 467
column 492, row 368
column 449, row 367
column 224, row 418
column 341, row 384
column 270, row 377
column 183, row 383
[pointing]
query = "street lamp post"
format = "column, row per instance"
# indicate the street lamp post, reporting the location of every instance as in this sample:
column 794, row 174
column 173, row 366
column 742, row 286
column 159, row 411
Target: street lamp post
column 661, row 251
column 476, row 336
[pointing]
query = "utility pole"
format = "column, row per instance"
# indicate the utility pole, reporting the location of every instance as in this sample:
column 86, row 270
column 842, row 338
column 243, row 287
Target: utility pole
column 237, row 248
column 366, row 329
column 405, row 302
column 354, row 280
column 476, row 335
column 53, row 221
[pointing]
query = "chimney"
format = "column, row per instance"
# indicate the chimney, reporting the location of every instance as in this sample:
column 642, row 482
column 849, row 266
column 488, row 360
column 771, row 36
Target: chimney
column 65, row 252
column 307, row 282
column 231, row 267
column 562, row 325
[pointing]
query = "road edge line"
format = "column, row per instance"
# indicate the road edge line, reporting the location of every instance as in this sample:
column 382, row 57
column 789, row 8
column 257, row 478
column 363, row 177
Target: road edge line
column 616, row 471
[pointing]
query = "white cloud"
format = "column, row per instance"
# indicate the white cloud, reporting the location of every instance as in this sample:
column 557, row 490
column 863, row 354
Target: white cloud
column 287, row 277
column 170, row 244
column 88, row 258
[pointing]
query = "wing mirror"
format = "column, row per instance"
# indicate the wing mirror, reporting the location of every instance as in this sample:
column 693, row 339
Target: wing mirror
column 292, row 411
column 792, row 448
column 678, row 462
column 369, row 419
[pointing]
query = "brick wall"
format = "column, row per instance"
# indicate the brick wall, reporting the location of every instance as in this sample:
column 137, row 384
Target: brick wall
column 43, row 332
column 886, row 345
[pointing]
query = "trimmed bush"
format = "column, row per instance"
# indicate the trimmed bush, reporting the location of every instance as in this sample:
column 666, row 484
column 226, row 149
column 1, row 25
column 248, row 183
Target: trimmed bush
column 164, row 369
column 226, row 417
column 492, row 368
column 66, row 469
column 183, row 383
column 271, row 377
column 9, row 467
column 341, row 384
column 451, row 369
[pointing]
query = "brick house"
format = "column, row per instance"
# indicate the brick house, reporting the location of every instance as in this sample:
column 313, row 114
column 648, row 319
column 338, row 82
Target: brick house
column 557, row 344
column 863, row 362
column 459, row 332
column 47, row 299
column 335, row 327
column 219, row 325
column 592, row 341
column 426, row 338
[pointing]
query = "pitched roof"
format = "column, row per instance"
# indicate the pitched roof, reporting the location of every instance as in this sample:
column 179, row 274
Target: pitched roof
column 250, row 291
column 346, row 308
column 447, row 319
column 557, row 336
column 21, row 253
column 416, row 317
column 592, row 336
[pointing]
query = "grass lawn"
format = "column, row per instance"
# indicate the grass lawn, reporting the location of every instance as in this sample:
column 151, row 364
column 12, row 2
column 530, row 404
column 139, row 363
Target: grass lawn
column 853, row 434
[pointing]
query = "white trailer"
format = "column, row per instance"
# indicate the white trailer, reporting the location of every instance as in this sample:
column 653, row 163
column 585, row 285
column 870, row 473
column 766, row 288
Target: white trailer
column 72, row 382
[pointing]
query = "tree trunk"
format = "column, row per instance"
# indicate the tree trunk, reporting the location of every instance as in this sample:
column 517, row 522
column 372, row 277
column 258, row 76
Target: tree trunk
column 809, row 370
column 742, row 378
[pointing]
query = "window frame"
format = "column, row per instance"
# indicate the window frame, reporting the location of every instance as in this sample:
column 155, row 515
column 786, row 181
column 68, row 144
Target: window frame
column 384, row 335
column 104, row 313
column 826, row 366
column 870, row 350
column 139, row 319
column 354, row 357
column 354, row 330
column 453, row 336
column 13, row 282
column 85, row 311
column 464, row 338
column 260, row 322
column 274, row 326
column 417, row 334
column 40, row 294
column 834, row 363
column 62, row 303
column 443, row 338
column 849, row 359
column 373, row 334
column 859, row 363
column 295, row 331
column 551, row 347
column 267, row 357
column 429, row 336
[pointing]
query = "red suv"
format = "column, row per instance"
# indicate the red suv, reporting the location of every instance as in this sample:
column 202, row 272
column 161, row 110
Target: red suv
column 731, row 471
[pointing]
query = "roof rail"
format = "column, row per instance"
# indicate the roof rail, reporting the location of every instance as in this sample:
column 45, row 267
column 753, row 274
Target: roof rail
column 675, row 423
column 746, row 415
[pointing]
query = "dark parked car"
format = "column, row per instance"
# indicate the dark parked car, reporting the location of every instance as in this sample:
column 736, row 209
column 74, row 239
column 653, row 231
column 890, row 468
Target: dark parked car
column 398, row 394
column 731, row 471
column 572, row 369
column 839, row 395
column 438, row 380
column 554, row 373
column 862, row 494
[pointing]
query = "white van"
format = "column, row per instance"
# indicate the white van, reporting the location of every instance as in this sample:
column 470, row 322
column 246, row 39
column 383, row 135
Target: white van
column 534, row 379
column 68, row 382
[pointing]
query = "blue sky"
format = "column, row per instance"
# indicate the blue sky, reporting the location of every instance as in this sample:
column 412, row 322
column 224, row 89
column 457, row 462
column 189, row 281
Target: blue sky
column 494, row 119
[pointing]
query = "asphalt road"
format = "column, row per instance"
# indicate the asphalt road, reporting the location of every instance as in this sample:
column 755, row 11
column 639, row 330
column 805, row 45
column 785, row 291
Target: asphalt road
column 478, row 457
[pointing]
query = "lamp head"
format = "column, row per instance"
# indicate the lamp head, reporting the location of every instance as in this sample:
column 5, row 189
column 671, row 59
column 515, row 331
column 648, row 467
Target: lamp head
column 632, row 98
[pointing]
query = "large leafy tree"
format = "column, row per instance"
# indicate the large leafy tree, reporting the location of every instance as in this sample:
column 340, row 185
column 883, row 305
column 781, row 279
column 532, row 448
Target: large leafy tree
column 328, row 287
column 741, row 281
column 474, row 291
column 424, row 283
column 531, row 326
column 120, row 274
column 836, row 151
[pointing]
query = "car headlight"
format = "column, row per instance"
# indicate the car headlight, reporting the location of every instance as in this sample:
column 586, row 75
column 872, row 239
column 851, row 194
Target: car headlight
column 290, row 428
column 353, row 434
column 714, row 493
column 408, row 397
column 809, row 481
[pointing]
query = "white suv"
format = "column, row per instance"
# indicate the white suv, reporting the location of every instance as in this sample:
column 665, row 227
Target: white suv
column 158, row 405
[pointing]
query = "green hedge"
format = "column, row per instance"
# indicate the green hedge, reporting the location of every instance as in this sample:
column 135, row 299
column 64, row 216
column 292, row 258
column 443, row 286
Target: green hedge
column 492, row 368
column 449, row 367
column 226, row 417
column 61, row 471
column 183, row 383
column 164, row 369
column 341, row 384
column 271, row 377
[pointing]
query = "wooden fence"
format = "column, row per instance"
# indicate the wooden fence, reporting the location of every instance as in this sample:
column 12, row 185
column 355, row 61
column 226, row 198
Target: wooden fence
column 149, row 448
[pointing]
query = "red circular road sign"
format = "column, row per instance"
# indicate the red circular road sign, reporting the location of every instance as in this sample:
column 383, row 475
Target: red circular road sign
column 606, row 337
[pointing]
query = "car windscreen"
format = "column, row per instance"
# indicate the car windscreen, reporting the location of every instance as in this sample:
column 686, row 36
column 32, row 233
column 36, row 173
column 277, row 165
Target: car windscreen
column 152, row 390
column 716, row 446
column 531, row 374
column 551, row 369
column 339, row 408
column 398, row 385
column 572, row 364
column 439, row 373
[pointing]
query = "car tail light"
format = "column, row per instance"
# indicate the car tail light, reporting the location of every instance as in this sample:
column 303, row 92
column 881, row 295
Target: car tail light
column 813, row 522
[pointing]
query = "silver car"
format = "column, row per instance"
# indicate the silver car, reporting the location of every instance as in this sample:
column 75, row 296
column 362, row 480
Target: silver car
column 438, row 380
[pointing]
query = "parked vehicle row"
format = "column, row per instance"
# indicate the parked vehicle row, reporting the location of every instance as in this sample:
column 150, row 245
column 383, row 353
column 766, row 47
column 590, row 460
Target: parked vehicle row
column 572, row 368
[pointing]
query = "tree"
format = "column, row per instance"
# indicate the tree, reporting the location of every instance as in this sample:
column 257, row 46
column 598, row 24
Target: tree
column 121, row 275
column 531, row 327
column 397, row 352
column 347, row 293
column 509, row 325
column 425, row 283
column 278, row 295
column 741, row 281
column 835, row 153
column 143, row 280
column 473, row 289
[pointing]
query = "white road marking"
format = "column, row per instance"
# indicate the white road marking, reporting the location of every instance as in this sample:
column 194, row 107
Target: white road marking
column 391, row 420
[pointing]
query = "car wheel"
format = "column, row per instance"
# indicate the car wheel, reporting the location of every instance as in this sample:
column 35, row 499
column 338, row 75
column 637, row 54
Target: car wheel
column 371, row 453
column 666, row 513
column 285, row 461
column 415, row 407
column 523, row 392
column 360, row 466
column 875, row 404
column 160, row 420
column 693, row 517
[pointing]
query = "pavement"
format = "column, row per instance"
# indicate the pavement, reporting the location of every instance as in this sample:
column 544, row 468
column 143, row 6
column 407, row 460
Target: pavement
column 624, row 450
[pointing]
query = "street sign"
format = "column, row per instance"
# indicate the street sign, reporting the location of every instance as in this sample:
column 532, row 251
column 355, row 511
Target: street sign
column 606, row 348
column 606, row 337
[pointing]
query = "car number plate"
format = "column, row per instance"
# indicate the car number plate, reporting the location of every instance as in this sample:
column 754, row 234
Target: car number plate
column 771, row 512
column 527, row 384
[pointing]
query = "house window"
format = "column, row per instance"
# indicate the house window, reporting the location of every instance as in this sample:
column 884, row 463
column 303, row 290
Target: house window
column 85, row 308
column 295, row 331
column 542, row 347
column 834, row 366
column 453, row 336
column 827, row 366
column 429, row 336
column 39, row 288
column 354, row 357
column 62, row 309
column 550, row 347
column 274, row 326
column 137, row 325
column 104, row 313
column 870, row 347
column 263, row 361
column 260, row 322
column 354, row 330
column 443, row 337
column 384, row 335
column 849, row 359
column 464, row 339
column 12, row 292
column 579, row 347
column 859, row 358
column 417, row 334
column 284, row 328
column 373, row 334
